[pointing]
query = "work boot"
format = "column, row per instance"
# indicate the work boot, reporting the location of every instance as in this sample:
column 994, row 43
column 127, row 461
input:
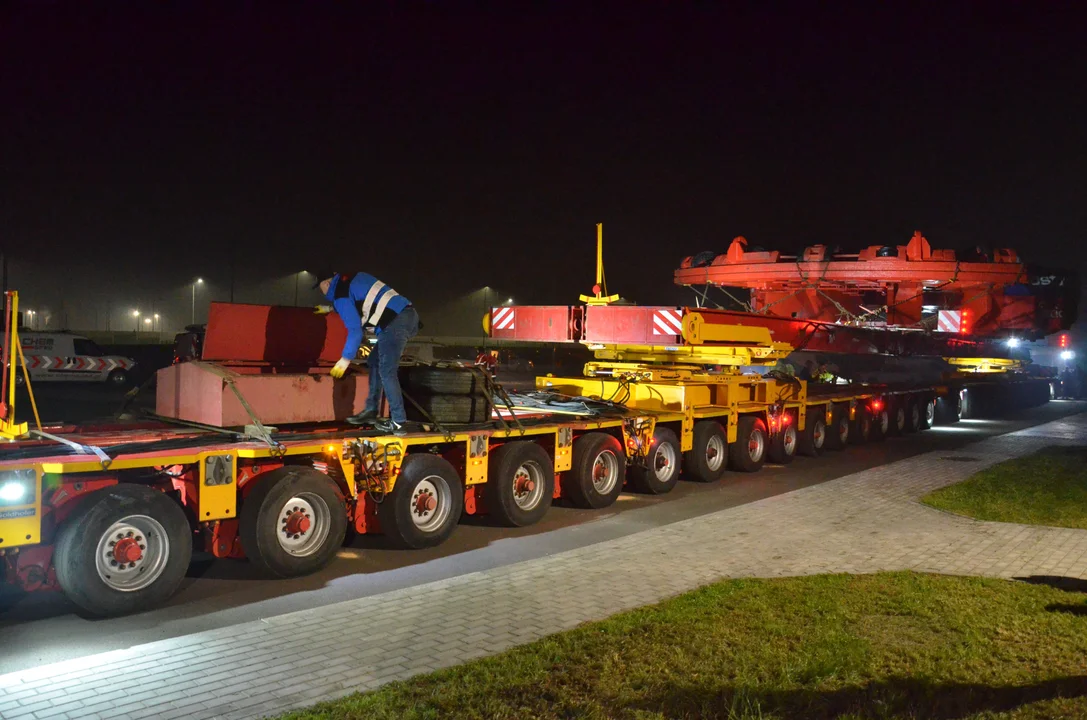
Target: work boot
column 366, row 417
column 394, row 428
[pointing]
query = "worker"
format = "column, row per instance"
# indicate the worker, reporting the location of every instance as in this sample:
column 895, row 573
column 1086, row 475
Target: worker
column 487, row 362
column 362, row 301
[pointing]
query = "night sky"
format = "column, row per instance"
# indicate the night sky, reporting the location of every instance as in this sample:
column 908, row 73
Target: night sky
column 447, row 149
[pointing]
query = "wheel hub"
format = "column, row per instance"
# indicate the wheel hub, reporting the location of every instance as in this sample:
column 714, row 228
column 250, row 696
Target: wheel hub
column 298, row 523
column 425, row 503
column 128, row 550
column 132, row 553
column 522, row 484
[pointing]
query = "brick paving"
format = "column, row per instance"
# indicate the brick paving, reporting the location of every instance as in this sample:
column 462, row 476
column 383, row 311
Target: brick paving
column 862, row 523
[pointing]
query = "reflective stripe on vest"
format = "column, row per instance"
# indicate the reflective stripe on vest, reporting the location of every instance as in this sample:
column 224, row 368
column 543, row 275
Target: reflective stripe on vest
column 375, row 316
column 368, row 303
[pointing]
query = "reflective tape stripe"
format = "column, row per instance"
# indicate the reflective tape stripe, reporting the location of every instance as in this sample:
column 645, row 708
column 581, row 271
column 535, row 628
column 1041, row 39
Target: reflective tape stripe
column 503, row 319
column 369, row 301
column 380, row 309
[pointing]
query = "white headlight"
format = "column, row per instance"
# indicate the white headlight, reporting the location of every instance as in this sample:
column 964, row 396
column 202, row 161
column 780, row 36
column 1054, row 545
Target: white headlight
column 12, row 491
column 1067, row 355
column 17, row 487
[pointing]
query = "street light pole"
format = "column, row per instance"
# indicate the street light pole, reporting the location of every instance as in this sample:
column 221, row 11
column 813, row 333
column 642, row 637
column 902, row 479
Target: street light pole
column 196, row 282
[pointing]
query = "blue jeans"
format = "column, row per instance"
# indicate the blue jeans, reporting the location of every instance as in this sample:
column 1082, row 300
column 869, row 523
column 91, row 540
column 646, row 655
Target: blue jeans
column 384, row 362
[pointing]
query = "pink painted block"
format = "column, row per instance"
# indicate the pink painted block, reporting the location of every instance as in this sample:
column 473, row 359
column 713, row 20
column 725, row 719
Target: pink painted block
column 198, row 392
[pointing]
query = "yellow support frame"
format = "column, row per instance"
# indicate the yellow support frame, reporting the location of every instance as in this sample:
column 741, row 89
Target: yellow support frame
column 9, row 428
column 985, row 365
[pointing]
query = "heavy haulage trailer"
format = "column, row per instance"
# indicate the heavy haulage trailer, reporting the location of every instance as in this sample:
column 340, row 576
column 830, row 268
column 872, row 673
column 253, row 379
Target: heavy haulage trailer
column 112, row 515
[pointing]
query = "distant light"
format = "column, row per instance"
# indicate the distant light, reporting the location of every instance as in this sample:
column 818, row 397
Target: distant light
column 510, row 301
column 199, row 280
column 135, row 313
column 156, row 316
column 928, row 308
column 147, row 321
column 12, row 491
column 1013, row 342
column 1067, row 355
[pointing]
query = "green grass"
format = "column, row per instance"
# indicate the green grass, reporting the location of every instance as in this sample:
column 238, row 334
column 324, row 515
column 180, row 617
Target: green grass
column 1046, row 488
column 894, row 645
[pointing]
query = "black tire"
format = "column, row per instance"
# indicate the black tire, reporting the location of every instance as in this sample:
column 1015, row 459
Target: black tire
column 898, row 410
column 19, row 379
column 422, row 475
column 968, row 405
column 118, row 378
column 449, row 409
column 914, row 415
column 748, row 453
column 706, row 460
column 928, row 413
column 426, row 380
column 840, row 427
column 881, row 423
column 520, row 483
column 949, row 408
column 860, row 430
column 165, row 551
column 814, row 435
column 782, row 447
column 662, row 464
column 299, row 496
column 598, row 472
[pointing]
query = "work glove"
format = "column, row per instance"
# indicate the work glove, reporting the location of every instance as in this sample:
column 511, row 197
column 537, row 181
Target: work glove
column 340, row 368
column 322, row 309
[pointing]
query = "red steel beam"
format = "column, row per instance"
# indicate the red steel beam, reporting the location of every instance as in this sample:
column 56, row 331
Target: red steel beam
column 275, row 335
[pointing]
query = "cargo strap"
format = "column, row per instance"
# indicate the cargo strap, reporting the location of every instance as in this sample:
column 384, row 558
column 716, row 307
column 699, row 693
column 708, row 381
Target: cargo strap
column 105, row 459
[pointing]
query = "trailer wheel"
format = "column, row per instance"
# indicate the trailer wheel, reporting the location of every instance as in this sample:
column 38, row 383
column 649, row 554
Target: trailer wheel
column 928, row 417
column 661, row 471
column 814, row 435
column 126, row 549
column 520, row 483
column 705, row 462
column 292, row 522
column 861, row 431
column 598, row 471
column 913, row 416
column 949, row 408
column 425, row 504
column 881, row 424
column 782, row 446
column 748, row 453
column 838, row 432
column 444, row 380
column 898, row 416
column 967, row 402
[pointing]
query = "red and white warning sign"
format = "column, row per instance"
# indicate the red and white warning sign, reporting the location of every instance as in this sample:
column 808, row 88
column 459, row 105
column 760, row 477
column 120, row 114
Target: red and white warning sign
column 668, row 321
column 948, row 321
column 503, row 318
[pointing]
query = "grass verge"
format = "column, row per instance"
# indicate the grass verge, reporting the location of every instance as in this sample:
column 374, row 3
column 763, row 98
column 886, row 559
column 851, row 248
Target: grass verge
column 1046, row 488
column 899, row 645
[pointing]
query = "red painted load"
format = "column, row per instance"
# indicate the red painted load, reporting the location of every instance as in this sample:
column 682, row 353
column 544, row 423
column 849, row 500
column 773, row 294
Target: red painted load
column 276, row 357
column 898, row 285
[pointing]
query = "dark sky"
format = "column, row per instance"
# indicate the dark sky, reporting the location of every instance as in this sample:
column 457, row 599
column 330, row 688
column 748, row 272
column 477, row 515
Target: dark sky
column 446, row 149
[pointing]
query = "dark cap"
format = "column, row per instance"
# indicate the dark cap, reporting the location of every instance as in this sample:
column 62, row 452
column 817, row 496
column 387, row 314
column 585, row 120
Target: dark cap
column 321, row 277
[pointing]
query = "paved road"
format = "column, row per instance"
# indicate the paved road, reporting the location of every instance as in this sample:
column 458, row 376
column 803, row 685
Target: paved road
column 37, row 629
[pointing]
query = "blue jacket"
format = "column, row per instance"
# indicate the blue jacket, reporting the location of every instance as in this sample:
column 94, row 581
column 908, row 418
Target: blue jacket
column 363, row 300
